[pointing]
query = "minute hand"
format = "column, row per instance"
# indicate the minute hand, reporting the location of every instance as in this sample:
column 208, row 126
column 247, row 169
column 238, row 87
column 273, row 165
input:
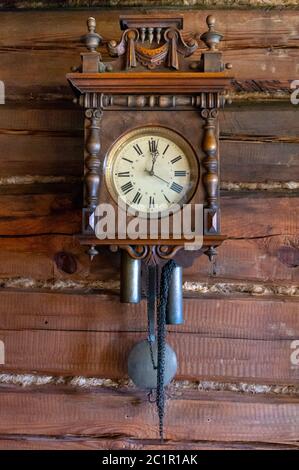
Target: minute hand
column 167, row 182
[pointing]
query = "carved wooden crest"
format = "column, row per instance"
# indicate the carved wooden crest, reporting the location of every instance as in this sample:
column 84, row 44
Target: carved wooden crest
column 152, row 42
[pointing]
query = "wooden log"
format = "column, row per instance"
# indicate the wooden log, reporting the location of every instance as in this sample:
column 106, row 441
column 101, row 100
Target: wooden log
column 261, row 47
column 233, row 317
column 250, row 253
column 51, row 213
column 35, row 257
column 242, row 158
column 272, row 260
column 257, row 161
column 42, row 213
column 256, row 216
column 268, row 259
column 183, row 4
column 257, row 143
column 208, row 417
column 263, row 121
column 105, row 354
column 25, row 442
column 23, row 155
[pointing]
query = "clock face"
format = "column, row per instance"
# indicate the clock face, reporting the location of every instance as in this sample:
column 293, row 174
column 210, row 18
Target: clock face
column 152, row 170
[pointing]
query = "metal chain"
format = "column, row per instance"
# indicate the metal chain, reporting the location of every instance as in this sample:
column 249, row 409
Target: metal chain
column 151, row 309
column 161, row 336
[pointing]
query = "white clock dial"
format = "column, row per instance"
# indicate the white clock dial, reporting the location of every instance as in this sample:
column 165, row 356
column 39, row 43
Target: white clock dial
column 152, row 169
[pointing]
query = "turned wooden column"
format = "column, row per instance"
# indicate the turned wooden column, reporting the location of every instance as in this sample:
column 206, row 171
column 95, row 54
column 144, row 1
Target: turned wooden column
column 210, row 178
column 92, row 159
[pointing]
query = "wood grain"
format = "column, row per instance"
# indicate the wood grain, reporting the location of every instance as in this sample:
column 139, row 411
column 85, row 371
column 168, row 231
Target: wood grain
column 105, row 354
column 56, row 213
column 233, row 317
column 42, row 213
column 25, row 442
column 255, row 54
column 256, row 144
column 262, row 258
column 214, row 417
column 183, row 4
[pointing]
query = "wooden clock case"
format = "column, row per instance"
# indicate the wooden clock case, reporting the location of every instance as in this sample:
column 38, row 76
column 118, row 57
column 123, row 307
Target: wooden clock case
column 151, row 82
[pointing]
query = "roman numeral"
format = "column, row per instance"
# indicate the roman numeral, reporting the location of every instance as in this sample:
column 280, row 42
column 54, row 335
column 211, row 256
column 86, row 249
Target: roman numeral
column 127, row 160
column 123, row 174
column 126, row 188
column 166, row 148
column 166, row 199
column 137, row 149
column 176, row 187
column 137, row 198
column 180, row 173
column 176, row 159
column 151, row 201
column 153, row 145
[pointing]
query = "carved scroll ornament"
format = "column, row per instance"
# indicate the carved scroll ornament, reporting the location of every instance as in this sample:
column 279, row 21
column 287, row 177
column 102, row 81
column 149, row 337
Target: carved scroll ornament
column 167, row 54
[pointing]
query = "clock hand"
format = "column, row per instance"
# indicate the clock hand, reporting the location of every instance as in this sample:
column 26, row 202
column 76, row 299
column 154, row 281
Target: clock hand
column 159, row 177
column 156, row 176
column 153, row 148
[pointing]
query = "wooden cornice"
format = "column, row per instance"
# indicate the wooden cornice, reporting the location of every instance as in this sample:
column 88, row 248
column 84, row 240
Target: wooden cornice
column 207, row 241
column 149, row 82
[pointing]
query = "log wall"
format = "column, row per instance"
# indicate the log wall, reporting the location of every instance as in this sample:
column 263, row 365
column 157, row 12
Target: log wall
column 66, row 337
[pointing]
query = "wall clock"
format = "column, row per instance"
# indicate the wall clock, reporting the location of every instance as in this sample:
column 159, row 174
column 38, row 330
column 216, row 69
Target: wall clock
column 150, row 153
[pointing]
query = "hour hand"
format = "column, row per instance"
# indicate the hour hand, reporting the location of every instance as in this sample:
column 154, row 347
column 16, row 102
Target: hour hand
column 153, row 147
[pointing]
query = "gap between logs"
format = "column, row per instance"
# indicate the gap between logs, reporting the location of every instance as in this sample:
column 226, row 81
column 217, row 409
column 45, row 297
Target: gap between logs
column 183, row 4
column 177, row 386
column 224, row 185
column 199, row 287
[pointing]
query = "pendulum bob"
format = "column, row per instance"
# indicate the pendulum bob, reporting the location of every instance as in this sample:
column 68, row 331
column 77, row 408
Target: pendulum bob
column 174, row 311
column 130, row 279
column 142, row 364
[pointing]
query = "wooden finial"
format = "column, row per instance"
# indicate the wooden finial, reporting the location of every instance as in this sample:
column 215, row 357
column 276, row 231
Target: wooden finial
column 92, row 39
column 91, row 24
column 211, row 21
column 92, row 252
column 211, row 38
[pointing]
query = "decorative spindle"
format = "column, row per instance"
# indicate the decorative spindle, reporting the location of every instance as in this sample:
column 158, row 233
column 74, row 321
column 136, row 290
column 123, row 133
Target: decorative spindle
column 210, row 163
column 92, row 160
column 211, row 38
column 92, row 252
column 150, row 35
column 142, row 34
column 92, row 39
column 212, row 255
column 158, row 35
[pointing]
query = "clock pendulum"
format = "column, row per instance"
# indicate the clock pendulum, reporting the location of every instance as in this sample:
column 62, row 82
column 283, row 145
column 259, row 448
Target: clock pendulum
column 151, row 149
column 152, row 363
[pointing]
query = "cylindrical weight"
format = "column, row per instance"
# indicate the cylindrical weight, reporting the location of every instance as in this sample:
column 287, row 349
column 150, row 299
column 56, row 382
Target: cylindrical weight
column 174, row 312
column 130, row 279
